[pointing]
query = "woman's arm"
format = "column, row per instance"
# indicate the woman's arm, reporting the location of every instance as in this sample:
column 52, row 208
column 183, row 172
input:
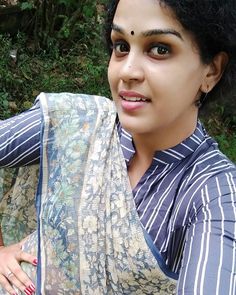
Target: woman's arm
column 209, row 262
column 19, row 145
column 20, row 139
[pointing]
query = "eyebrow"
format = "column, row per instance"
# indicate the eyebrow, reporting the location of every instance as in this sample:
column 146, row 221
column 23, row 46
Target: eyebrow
column 150, row 33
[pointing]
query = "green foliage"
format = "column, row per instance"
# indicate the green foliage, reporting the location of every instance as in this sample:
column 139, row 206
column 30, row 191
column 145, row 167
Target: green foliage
column 61, row 20
column 4, row 106
column 227, row 144
column 74, row 70
column 26, row 5
column 222, row 128
column 63, row 52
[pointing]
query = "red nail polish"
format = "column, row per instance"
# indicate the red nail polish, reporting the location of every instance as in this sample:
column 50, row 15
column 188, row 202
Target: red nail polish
column 35, row 261
column 32, row 287
column 28, row 292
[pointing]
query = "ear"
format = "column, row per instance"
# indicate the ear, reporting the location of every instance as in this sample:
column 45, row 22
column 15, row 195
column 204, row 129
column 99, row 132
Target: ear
column 214, row 71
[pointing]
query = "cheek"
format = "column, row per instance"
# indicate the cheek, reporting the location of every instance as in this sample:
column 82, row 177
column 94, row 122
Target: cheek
column 173, row 79
column 110, row 74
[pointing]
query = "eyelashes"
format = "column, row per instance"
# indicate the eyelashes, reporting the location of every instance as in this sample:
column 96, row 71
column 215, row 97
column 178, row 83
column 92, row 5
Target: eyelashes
column 156, row 50
column 120, row 47
column 160, row 49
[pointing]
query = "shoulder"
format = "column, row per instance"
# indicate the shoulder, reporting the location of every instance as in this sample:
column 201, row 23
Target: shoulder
column 207, row 161
column 210, row 164
column 209, row 176
column 211, row 182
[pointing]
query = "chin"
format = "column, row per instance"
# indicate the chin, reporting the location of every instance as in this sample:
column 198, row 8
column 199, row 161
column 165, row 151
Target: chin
column 132, row 125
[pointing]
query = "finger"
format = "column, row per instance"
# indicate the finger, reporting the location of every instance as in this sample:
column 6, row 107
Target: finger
column 26, row 257
column 20, row 279
column 27, row 288
column 6, row 285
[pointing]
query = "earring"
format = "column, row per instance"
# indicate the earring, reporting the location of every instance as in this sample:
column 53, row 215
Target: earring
column 202, row 99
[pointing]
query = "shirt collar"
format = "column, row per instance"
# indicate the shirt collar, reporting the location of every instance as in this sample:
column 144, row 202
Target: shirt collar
column 168, row 156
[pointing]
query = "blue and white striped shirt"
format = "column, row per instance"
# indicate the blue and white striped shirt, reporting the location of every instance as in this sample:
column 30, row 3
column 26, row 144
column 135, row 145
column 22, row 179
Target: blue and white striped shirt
column 186, row 201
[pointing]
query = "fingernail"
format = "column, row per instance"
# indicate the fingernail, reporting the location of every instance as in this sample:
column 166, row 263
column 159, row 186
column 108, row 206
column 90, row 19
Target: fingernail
column 27, row 291
column 32, row 287
column 35, row 261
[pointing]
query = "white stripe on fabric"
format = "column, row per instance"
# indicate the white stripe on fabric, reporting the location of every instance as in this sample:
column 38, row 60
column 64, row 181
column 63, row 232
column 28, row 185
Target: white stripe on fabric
column 24, row 142
column 25, row 154
column 160, row 161
column 126, row 134
column 221, row 238
column 202, row 244
column 161, row 198
column 126, row 148
column 187, row 147
column 200, row 131
column 172, row 155
column 233, row 198
column 195, row 137
column 190, row 250
column 160, row 176
column 207, row 221
column 197, row 183
column 20, row 122
column 194, row 174
column 19, row 118
column 160, row 201
column 177, row 153
column 19, row 134
column 150, row 185
column 234, row 289
column 32, row 161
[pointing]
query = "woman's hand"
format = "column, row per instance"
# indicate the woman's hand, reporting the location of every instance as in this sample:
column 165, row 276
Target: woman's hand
column 11, row 273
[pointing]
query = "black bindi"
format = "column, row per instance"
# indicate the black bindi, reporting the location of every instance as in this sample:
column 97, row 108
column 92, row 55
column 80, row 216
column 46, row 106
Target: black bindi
column 132, row 33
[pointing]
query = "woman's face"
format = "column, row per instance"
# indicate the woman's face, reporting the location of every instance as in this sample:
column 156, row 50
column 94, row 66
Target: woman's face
column 155, row 72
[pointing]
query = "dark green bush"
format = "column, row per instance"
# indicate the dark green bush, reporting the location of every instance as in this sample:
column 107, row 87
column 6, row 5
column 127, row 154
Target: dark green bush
column 62, row 52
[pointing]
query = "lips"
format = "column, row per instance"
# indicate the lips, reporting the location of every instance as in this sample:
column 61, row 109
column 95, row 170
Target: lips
column 133, row 96
column 135, row 99
column 132, row 101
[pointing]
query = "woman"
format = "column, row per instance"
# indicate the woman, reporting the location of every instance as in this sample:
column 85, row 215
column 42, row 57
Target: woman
column 167, row 58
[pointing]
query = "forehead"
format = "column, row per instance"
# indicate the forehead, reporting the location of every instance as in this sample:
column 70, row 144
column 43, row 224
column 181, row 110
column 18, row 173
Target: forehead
column 142, row 15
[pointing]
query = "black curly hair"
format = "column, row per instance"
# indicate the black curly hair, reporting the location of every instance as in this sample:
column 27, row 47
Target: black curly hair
column 213, row 25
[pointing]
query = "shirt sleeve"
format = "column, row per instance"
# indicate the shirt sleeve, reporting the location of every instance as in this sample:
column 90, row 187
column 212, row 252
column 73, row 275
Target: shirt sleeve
column 20, row 139
column 209, row 261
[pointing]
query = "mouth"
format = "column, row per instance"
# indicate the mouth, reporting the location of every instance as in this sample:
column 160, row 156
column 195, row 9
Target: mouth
column 131, row 101
column 135, row 99
column 131, row 96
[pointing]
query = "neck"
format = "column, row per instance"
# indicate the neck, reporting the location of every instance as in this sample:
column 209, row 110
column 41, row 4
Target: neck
column 165, row 138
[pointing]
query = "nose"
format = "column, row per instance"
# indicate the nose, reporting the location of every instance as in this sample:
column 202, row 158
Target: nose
column 131, row 68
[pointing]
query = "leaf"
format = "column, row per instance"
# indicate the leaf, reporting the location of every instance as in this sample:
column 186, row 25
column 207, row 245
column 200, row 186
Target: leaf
column 26, row 6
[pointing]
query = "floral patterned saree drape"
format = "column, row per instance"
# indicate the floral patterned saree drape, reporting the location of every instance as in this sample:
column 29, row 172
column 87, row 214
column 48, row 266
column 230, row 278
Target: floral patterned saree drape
column 89, row 238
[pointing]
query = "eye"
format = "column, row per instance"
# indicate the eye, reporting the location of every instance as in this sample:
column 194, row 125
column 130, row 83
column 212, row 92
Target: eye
column 159, row 50
column 120, row 48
